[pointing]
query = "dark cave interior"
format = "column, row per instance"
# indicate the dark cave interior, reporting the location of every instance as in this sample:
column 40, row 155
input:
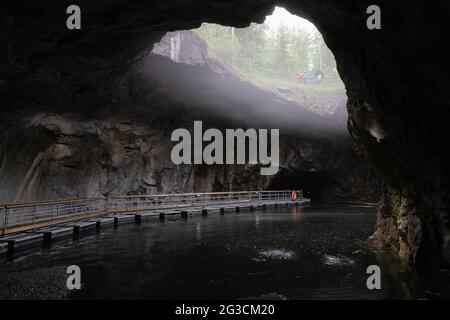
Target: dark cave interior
column 312, row 183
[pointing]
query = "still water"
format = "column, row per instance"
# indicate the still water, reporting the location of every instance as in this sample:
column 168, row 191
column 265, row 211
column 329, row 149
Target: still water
column 289, row 253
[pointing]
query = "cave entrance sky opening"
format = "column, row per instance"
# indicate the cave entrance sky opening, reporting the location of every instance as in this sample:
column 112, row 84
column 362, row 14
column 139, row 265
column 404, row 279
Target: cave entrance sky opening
column 286, row 55
column 285, row 49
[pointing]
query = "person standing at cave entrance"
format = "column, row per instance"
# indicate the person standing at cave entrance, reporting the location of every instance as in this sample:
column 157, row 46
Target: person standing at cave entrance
column 300, row 76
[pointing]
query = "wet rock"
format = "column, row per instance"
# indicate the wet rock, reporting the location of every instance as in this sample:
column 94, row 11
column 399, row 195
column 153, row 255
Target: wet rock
column 182, row 47
column 61, row 152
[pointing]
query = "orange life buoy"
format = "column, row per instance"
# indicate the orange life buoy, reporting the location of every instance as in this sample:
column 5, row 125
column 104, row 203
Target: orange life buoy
column 294, row 195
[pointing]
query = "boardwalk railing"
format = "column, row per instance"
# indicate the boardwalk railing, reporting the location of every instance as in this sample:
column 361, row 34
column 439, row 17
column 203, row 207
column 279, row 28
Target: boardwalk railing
column 22, row 217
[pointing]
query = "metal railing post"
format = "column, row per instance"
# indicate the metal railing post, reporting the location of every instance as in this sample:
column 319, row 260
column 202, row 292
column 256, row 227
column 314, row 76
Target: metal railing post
column 5, row 221
column 34, row 214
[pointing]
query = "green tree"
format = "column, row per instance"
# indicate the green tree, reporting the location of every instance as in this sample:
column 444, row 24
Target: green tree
column 252, row 41
column 272, row 54
column 301, row 42
column 221, row 41
column 281, row 52
column 322, row 58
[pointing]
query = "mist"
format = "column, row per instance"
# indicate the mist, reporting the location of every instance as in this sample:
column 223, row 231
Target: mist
column 201, row 90
column 263, row 76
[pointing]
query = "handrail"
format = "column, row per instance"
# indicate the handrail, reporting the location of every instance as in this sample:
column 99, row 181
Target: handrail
column 192, row 193
column 48, row 202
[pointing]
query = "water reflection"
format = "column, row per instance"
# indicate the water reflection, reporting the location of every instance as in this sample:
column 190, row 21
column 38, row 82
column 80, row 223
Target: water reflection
column 198, row 229
column 295, row 213
column 251, row 255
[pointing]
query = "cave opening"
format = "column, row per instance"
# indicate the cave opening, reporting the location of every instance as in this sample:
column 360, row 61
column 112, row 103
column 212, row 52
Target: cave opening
column 277, row 74
column 313, row 184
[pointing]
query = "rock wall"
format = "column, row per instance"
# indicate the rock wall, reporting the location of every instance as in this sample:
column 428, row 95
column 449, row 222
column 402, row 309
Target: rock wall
column 398, row 114
column 45, row 155
column 50, row 156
